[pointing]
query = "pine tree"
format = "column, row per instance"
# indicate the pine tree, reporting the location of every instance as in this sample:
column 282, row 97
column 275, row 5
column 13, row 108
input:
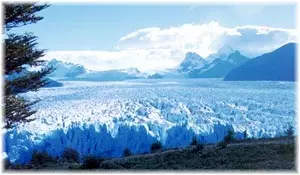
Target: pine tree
column 229, row 137
column 245, row 134
column 194, row 141
column 126, row 152
column 21, row 51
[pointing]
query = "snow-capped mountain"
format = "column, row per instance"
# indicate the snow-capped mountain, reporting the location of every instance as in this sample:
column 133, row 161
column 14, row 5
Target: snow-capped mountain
column 169, row 73
column 155, row 76
column 70, row 71
column 278, row 65
column 111, row 75
column 221, row 65
column 194, row 66
column 65, row 69
column 192, row 61
column 223, row 53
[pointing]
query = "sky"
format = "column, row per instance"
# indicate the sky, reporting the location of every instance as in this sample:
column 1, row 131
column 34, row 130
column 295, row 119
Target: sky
column 156, row 37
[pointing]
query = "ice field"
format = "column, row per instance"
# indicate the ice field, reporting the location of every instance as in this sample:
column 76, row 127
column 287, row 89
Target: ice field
column 104, row 118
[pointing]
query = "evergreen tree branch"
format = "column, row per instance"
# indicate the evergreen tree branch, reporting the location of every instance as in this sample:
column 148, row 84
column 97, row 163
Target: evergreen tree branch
column 20, row 50
column 32, row 81
column 17, row 110
column 17, row 15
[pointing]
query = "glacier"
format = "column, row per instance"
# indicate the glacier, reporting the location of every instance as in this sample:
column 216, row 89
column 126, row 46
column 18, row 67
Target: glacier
column 104, row 118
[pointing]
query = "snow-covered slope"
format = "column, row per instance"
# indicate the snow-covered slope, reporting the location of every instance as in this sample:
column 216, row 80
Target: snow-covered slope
column 111, row 75
column 220, row 67
column 65, row 70
column 104, row 118
column 172, row 73
column 214, row 66
column 192, row 61
column 155, row 76
column 70, row 71
column 223, row 53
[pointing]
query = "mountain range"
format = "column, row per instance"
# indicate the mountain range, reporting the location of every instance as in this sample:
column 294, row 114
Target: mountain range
column 65, row 69
column 111, row 75
column 216, row 65
column 227, row 62
column 191, row 62
column 220, row 66
column 70, row 71
column 278, row 65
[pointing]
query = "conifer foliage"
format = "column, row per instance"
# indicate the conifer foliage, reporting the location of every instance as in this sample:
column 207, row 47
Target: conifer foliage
column 20, row 51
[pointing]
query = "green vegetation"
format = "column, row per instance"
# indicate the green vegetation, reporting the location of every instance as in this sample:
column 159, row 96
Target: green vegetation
column 194, row 141
column 71, row 155
column 91, row 162
column 222, row 145
column 250, row 154
column 198, row 148
column 245, row 134
column 126, row 152
column 156, row 146
column 262, row 154
column 41, row 158
column 21, row 50
column 229, row 138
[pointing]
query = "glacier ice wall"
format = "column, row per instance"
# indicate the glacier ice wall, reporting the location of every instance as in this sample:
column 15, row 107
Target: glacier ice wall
column 89, row 140
column 105, row 118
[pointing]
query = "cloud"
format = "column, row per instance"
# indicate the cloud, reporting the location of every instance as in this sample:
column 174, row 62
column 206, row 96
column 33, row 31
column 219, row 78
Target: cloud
column 157, row 49
column 144, row 60
column 186, row 37
column 209, row 38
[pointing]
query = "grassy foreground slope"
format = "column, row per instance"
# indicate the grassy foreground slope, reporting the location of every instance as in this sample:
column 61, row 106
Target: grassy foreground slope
column 263, row 154
column 258, row 154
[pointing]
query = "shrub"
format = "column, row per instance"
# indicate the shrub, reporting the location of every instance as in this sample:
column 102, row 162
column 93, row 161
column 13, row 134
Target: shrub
column 194, row 141
column 286, row 149
column 222, row 145
column 40, row 158
column 126, row 152
column 290, row 131
column 7, row 164
column 91, row 162
column 71, row 155
column 229, row 137
column 156, row 146
column 199, row 147
column 245, row 134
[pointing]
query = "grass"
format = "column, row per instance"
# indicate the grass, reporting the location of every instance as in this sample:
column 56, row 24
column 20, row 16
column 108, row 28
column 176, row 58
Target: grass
column 262, row 154
column 259, row 154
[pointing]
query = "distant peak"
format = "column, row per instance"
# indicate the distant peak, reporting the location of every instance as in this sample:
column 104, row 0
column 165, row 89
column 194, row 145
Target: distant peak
column 130, row 70
column 134, row 69
column 54, row 60
column 192, row 61
column 226, row 49
column 222, row 53
column 236, row 52
column 192, row 54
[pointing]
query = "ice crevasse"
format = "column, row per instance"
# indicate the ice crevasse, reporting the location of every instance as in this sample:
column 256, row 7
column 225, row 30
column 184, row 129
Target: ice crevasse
column 105, row 122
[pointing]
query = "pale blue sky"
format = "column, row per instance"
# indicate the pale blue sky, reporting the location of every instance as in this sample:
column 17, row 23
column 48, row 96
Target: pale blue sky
column 100, row 26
